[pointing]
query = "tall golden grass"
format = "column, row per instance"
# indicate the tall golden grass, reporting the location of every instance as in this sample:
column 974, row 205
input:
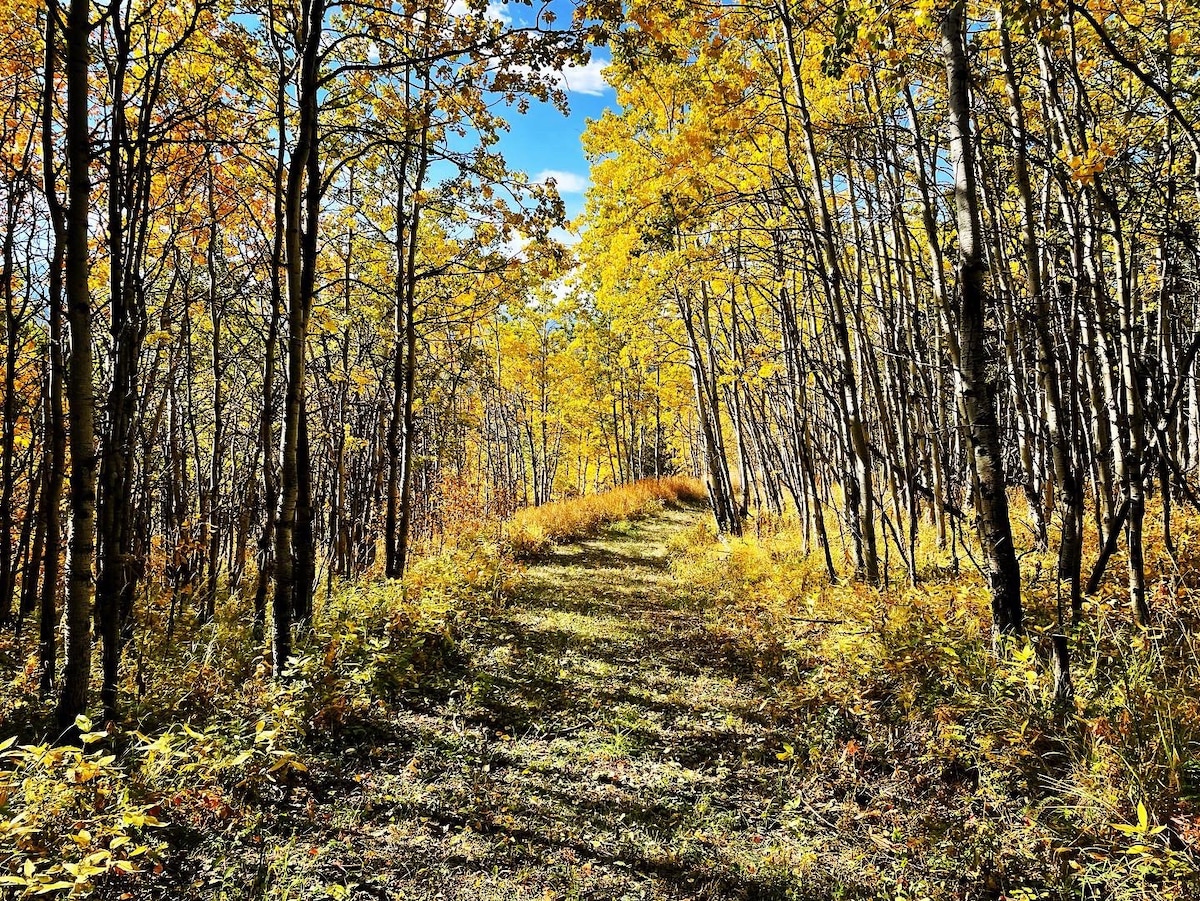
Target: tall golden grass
column 533, row 530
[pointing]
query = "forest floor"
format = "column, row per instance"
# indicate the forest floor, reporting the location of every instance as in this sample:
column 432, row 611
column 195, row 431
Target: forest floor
column 649, row 713
column 594, row 742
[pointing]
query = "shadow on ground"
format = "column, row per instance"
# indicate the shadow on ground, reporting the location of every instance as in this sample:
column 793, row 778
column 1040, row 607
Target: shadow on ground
column 594, row 744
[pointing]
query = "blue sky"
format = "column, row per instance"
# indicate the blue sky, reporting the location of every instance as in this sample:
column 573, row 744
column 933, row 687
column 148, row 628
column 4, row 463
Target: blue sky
column 543, row 142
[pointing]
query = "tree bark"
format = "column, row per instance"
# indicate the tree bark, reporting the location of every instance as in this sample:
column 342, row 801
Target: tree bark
column 55, row 426
column 300, row 266
column 1068, row 494
column 77, row 642
column 859, row 486
column 978, row 391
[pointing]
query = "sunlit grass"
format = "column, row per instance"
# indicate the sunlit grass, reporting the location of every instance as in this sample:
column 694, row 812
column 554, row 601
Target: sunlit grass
column 533, row 530
column 656, row 712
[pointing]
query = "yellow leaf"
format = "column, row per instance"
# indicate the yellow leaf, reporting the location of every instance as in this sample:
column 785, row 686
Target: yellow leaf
column 54, row 887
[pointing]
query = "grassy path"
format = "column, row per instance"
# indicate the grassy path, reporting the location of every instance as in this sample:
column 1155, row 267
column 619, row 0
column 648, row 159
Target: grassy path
column 596, row 745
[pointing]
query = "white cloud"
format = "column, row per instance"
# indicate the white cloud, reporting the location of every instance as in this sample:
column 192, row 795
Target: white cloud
column 567, row 182
column 495, row 10
column 586, row 79
column 514, row 248
column 561, row 289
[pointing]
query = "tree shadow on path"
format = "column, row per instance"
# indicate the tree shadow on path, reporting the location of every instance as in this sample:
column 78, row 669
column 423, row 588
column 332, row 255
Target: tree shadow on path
column 594, row 743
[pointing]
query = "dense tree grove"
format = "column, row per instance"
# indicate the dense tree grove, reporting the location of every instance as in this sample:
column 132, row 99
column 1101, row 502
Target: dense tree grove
column 920, row 254
column 275, row 308
column 267, row 309
column 812, row 516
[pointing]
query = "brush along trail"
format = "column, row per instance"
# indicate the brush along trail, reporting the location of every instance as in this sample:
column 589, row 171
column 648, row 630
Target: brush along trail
column 597, row 741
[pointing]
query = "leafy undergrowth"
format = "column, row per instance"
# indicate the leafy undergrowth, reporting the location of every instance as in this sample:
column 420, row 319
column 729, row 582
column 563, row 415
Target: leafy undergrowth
column 218, row 749
column 533, row 531
column 947, row 773
column 648, row 714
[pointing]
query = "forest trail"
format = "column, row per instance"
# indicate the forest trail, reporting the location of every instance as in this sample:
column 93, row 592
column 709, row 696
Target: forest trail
column 595, row 745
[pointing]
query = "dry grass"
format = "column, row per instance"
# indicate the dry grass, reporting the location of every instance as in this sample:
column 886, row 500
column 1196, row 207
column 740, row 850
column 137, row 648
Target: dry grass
column 533, row 530
column 952, row 774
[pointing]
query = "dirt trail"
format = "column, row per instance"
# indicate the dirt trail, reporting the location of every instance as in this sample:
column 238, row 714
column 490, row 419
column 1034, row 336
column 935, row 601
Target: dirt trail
column 597, row 744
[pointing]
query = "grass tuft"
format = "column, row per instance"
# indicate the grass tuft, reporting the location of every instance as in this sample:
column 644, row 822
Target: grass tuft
column 532, row 531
